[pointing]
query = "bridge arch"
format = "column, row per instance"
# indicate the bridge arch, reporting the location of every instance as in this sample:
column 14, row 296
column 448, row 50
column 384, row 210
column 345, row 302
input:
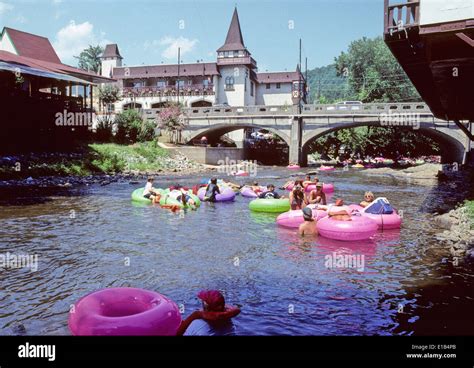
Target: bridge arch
column 218, row 130
column 451, row 140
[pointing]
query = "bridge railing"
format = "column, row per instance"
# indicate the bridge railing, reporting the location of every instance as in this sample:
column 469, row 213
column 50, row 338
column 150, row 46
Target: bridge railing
column 308, row 110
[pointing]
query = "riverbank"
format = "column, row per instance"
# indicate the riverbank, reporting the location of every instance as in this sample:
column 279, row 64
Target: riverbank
column 458, row 230
column 95, row 163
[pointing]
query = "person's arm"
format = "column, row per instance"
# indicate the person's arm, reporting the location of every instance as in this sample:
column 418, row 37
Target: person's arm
column 262, row 195
column 185, row 324
column 276, row 195
column 323, row 198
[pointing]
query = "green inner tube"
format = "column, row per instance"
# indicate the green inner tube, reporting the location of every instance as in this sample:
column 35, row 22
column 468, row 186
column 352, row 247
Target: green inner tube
column 167, row 201
column 137, row 196
column 270, row 205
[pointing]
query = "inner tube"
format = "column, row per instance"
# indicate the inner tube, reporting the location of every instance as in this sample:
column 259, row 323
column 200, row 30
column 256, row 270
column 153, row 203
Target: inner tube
column 383, row 221
column 293, row 167
column 240, row 173
column 226, row 195
column 359, row 228
column 327, row 188
column 270, row 205
column 137, row 196
column 358, row 166
column 124, row 312
column 293, row 219
column 167, row 202
column 249, row 193
column 326, row 168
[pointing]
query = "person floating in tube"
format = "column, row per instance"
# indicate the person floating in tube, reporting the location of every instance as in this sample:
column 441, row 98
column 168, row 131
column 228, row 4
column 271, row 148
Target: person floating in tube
column 368, row 199
column 308, row 227
column 150, row 192
column 270, row 193
column 297, row 197
column 338, row 211
column 215, row 318
column 211, row 191
column 317, row 196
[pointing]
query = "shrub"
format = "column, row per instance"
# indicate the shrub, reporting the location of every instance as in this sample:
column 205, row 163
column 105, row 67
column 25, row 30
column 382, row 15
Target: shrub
column 104, row 129
column 131, row 128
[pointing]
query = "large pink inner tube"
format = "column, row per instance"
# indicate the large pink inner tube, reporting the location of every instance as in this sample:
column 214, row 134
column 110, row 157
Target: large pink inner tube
column 384, row 221
column 124, row 312
column 293, row 219
column 327, row 188
column 249, row 193
column 226, row 194
column 359, row 228
column 241, row 173
column 293, row 167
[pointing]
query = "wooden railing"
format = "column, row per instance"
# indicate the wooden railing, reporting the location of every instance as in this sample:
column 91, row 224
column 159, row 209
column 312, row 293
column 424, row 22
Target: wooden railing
column 401, row 16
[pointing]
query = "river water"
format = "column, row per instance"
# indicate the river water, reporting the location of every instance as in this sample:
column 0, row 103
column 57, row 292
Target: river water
column 89, row 238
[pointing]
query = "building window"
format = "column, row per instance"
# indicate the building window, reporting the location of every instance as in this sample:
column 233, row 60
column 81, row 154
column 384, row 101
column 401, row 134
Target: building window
column 229, row 83
column 161, row 84
column 205, row 82
column 137, row 84
column 278, row 85
column 251, row 88
column 236, row 53
column 268, row 85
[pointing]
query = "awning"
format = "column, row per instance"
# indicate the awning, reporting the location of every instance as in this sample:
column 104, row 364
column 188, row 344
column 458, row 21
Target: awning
column 23, row 69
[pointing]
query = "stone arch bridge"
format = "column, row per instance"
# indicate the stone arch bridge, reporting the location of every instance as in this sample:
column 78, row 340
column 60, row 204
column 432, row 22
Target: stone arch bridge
column 298, row 130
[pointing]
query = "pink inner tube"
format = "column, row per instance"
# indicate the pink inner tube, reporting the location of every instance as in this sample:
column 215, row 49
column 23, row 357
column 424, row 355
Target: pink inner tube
column 241, row 173
column 294, row 167
column 249, row 193
column 326, row 168
column 384, row 221
column 359, row 228
column 327, row 188
column 124, row 312
column 293, row 219
column 226, row 194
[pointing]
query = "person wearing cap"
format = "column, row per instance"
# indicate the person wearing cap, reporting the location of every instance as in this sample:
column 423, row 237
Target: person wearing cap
column 308, row 227
column 297, row 197
column 215, row 318
column 317, row 196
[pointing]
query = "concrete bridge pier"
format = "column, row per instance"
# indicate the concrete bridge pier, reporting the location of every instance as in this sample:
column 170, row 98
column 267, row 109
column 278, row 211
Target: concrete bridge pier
column 296, row 140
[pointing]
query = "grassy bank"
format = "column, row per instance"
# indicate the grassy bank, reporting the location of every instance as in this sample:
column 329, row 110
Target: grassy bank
column 469, row 206
column 93, row 159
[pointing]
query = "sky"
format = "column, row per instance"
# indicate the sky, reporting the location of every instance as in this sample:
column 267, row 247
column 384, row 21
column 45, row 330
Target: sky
column 150, row 31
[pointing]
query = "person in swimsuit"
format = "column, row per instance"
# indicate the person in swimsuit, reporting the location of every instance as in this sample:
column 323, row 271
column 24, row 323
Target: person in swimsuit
column 180, row 194
column 308, row 227
column 339, row 212
column 211, row 191
column 308, row 181
column 317, row 196
column 368, row 199
column 297, row 198
column 150, row 192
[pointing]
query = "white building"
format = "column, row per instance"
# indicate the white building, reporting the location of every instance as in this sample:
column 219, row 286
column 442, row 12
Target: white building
column 232, row 80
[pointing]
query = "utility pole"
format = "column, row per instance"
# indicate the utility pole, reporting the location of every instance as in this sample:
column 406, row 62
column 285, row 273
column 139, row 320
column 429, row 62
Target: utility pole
column 299, row 83
column 306, row 78
column 179, row 64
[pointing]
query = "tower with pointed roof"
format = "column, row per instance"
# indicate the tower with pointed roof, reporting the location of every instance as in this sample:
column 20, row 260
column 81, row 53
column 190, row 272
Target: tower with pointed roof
column 111, row 59
column 237, row 84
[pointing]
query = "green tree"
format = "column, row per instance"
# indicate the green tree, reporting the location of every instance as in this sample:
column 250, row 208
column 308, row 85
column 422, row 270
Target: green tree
column 89, row 59
column 373, row 73
column 131, row 127
column 109, row 94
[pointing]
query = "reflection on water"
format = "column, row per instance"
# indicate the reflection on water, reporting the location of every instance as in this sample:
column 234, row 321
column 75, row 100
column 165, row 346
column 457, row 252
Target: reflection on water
column 91, row 238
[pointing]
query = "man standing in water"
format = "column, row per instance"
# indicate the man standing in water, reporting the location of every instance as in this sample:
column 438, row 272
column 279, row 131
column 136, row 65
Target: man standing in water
column 308, row 227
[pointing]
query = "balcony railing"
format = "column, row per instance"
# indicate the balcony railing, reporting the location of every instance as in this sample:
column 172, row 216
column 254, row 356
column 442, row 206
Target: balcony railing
column 152, row 91
column 401, row 16
column 237, row 60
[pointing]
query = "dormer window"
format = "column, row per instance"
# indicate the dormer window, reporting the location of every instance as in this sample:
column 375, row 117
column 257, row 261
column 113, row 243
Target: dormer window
column 236, row 54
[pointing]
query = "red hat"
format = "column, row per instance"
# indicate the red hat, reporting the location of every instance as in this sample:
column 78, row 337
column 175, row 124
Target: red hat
column 213, row 298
